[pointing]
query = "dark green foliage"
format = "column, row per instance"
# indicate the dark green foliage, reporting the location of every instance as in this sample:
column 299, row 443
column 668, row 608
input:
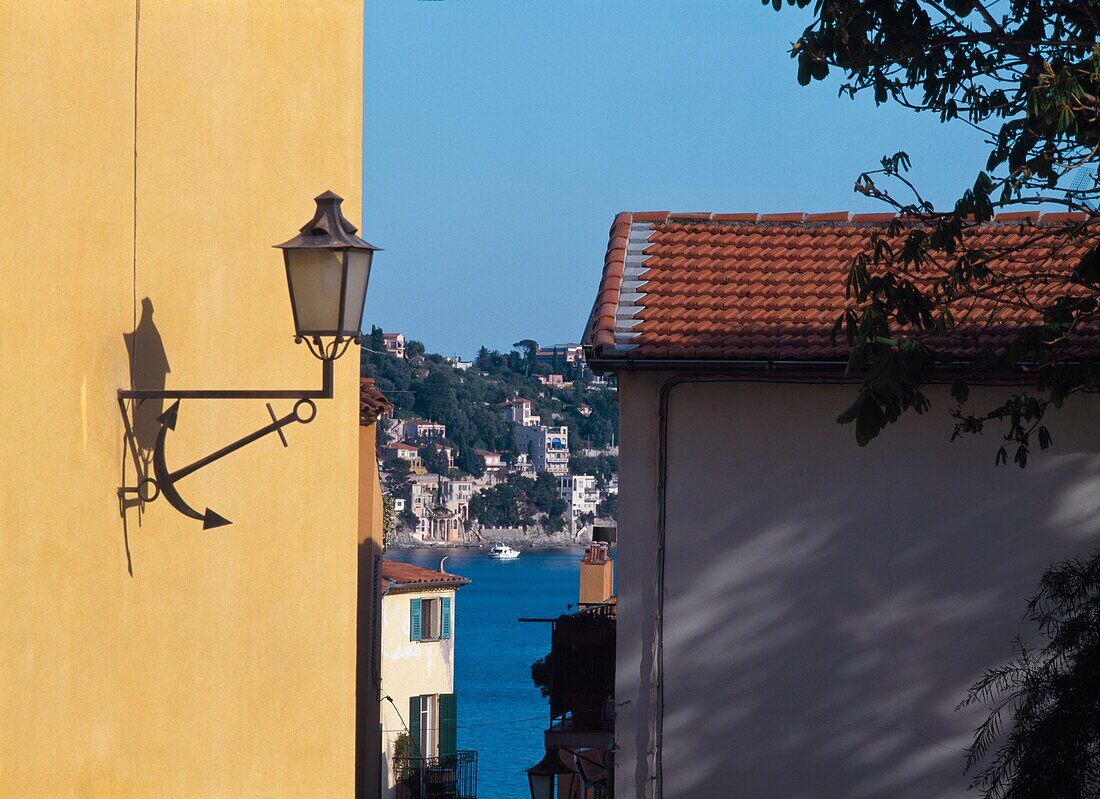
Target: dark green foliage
column 541, row 674
column 608, row 507
column 1027, row 73
column 600, row 466
column 395, row 477
column 1052, row 695
column 518, row 501
column 389, row 520
column 435, row 460
column 497, row 506
column 470, row 462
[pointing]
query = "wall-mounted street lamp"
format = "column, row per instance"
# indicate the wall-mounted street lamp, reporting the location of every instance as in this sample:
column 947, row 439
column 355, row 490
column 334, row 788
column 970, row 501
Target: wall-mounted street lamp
column 542, row 776
column 327, row 271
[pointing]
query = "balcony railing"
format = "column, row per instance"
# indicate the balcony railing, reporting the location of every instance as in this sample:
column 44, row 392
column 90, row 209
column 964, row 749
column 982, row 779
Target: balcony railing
column 452, row 776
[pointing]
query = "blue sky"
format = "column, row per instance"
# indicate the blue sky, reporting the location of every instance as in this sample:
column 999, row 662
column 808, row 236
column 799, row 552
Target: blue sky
column 502, row 136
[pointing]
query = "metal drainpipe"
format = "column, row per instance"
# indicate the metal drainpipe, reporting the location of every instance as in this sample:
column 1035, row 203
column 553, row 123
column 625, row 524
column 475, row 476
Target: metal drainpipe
column 657, row 669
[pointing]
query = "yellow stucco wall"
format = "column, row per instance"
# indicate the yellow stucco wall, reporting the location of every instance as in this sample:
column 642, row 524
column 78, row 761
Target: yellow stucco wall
column 225, row 664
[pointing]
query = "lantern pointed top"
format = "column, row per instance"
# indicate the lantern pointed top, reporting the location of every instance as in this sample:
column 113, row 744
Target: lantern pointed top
column 328, row 228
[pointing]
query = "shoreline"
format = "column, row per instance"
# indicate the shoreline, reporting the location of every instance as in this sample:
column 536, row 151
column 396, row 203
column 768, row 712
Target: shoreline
column 520, row 545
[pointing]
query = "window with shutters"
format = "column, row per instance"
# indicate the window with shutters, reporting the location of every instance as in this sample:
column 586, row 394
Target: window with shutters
column 430, row 619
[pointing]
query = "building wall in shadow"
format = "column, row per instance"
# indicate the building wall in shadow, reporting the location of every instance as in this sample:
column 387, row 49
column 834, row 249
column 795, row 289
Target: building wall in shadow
column 368, row 676
column 827, row 606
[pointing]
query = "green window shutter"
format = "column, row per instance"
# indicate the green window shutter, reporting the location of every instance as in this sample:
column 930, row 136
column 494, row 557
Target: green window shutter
column 414, row 723
column 448, row 724
column 414, row 619
column 445, row 617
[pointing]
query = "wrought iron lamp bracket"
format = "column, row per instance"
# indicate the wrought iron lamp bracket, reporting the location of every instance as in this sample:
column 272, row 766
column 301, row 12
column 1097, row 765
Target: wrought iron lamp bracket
column 163, row 481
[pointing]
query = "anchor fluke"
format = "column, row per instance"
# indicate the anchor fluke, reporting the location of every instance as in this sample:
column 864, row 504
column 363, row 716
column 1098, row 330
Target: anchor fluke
column 212, row 519
column 170, row 415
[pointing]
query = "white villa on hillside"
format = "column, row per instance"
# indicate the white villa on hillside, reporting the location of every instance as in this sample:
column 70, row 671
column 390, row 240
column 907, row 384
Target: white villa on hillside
column 395, row 344
column 547, row 446
column 579, row 492
column 518, row 412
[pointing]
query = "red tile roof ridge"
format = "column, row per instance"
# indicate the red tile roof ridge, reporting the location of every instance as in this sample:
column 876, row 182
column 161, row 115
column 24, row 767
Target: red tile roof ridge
column 801, row 217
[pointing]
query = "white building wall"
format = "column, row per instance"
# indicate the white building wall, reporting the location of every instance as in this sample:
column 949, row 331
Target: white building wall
column 826, row 606
column 579, row 491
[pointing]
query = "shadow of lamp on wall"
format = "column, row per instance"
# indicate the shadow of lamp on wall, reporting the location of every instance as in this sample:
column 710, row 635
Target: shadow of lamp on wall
column 327, row 271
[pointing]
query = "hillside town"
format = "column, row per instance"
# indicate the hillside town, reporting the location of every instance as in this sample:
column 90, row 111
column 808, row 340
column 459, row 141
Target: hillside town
column 518, row 470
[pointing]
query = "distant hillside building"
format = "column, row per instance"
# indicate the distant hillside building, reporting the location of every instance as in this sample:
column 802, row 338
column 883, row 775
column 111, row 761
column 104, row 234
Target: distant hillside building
column 395, row 344
column 422, row 428
column 547, row 446
column 456, row 495
column 558, row 355
column 518, row 411
column 493, row 461
column 423, row 494
column 400, row 451
column 580, row 493
column 440, row 524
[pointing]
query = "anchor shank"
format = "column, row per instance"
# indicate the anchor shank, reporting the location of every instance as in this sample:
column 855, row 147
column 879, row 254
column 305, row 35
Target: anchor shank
column 278, row 424
column 325, row 392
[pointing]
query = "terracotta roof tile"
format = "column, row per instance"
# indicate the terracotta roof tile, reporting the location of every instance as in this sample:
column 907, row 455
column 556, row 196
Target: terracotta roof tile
column 771, row 286
column 396, row 575
column 372, row 402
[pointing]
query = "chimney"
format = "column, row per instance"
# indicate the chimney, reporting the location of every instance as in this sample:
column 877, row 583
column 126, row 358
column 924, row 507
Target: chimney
column 597, row 576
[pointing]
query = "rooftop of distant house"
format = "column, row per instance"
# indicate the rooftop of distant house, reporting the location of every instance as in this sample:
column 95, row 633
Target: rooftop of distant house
column 397, row 576
column 770, row 287
column 423, row 421
column 392, row 336
column 400, row 445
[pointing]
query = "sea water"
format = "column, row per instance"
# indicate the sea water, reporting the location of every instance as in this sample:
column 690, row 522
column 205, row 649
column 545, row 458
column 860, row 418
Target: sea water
column 501, row 714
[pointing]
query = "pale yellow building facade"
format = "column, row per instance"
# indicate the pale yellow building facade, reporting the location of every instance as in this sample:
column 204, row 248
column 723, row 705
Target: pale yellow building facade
column 418, row 664
column 153, row 151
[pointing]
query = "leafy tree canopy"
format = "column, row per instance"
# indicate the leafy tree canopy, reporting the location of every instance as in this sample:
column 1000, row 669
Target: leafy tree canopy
column 1027, row 74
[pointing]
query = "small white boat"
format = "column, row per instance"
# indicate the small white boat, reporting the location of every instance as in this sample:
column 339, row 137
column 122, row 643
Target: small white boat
column 502, row 551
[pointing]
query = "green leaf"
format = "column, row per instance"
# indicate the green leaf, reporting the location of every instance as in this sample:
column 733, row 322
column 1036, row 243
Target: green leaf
column 870, row 422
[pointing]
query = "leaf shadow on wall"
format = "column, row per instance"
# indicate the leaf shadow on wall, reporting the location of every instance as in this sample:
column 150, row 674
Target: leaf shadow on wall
column 149, row 369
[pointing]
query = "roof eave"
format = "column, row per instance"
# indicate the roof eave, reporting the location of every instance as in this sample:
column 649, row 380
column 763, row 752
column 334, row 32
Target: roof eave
column 438, row 585
column 778, row 369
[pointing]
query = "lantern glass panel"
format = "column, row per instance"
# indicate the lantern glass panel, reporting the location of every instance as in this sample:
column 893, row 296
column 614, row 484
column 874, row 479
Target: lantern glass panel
column 315, row 277
column 356, row 291
column 542, row 785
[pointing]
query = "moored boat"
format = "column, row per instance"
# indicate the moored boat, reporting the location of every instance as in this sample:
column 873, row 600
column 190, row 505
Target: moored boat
column 502, row 551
